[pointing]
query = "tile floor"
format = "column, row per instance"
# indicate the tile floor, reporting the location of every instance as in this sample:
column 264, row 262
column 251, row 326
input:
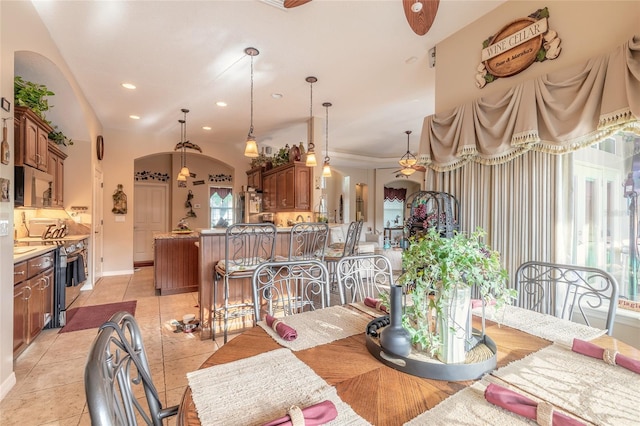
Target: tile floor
column 50, row 373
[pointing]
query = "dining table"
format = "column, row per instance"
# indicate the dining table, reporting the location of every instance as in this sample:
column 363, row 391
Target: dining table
column 379, row 394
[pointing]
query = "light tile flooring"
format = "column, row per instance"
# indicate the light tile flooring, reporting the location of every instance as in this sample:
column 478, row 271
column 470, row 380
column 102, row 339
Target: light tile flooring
column 50, row 373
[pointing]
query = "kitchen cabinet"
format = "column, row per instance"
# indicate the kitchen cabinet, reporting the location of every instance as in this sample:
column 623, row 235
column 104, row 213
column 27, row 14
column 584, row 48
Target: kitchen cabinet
column 269, row 195
column 56, row 169
column 254, row 178
column 175, row 263
column 32, row 299
column 291, row 184
column 31, row 139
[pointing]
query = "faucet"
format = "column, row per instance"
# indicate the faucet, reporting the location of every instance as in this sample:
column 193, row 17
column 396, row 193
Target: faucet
column 299, row 218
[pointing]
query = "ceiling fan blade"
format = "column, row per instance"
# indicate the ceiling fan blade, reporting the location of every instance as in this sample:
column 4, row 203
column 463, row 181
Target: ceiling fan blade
column 419, row 168
column 288, row 4
column 420, row 21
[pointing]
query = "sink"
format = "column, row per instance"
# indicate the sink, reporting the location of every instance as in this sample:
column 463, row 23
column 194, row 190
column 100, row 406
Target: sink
column 23, row 250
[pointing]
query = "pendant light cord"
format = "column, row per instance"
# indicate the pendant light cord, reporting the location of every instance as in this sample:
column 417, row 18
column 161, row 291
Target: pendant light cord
column 251, row 120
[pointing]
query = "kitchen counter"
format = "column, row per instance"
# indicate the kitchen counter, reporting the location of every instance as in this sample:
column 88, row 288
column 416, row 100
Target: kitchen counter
column 23, row 253
column 218, row 231
column 175, row 235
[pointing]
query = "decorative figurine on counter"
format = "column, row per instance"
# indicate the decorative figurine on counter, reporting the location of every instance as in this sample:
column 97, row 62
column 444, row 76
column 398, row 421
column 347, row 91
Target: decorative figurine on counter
column 119, row 201
column 188, row 205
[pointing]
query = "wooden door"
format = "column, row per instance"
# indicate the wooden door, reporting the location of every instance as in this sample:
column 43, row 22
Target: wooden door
column 150, row 212
column 98, row 222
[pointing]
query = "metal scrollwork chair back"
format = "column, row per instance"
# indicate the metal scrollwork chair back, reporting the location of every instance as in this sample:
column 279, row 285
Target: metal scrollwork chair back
column 290, row 287
column 567, row 291
column 117, row 373
column 308, row 240
column 362, row 276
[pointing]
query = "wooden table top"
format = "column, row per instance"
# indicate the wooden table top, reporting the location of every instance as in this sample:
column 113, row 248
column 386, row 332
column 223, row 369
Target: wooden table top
column 365, row 383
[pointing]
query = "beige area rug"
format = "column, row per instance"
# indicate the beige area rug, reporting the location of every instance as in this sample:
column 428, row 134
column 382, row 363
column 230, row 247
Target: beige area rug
column 584, row 386
column 262, row 388
column 468, row 407
column 320, row 327
column 541, row 325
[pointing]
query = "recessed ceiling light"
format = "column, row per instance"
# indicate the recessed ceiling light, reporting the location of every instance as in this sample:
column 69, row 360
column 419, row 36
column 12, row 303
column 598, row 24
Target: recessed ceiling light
column 206, row 128
column 129, row 86
column 134, row 117
column 221, row 104
column 276, row 95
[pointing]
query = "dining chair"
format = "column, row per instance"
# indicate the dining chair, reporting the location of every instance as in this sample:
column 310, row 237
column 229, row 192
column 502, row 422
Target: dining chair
column 568, row 291
column 334, row 254
column 246, row 246
column 117, row 378
column 289, row 287
column 362, row 276
column 308, row 240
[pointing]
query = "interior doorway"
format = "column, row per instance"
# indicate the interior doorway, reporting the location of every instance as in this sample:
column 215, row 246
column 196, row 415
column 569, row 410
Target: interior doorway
column 150, row 217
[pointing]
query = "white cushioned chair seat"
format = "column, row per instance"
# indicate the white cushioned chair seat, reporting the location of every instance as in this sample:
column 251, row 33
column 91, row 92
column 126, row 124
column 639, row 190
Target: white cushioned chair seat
column 240, row 265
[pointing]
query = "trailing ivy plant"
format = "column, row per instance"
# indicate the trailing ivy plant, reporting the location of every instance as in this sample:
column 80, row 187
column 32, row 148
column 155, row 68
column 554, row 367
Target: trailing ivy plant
column 434, row 267
column 34, row 96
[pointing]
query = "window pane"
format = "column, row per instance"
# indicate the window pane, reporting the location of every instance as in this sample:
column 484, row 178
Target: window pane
column 221, row 207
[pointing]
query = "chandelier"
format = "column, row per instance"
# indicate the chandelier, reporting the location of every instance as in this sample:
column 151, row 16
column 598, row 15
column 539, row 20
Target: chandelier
column 184, row 170
column 408, row 160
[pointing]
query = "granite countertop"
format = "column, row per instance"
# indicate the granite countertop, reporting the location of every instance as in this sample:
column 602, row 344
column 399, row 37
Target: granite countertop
column 175, row 235
column 23, row 253
column 218, row 231
column 67, row 238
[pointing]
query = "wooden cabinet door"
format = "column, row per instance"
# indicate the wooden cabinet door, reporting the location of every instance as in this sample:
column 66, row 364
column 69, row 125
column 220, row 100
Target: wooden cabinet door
column 56, row 169
column 303, row 178
column 47, row 302
column 30, row 141
column 269, row 193
column 21, row 293
column 36, row 306
column 254, row 179
column 42, row 148
column 285, row 189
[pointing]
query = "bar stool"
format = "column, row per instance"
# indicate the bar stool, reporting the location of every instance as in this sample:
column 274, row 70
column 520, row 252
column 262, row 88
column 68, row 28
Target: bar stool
column 246, row 246
column 308, row 241
column 333, row 256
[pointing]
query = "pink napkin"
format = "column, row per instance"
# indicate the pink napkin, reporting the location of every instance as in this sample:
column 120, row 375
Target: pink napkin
column 283, row 330
column 375, row 303
column 317, row 414
column 477, row 303
column 595, row 351
column 520, row 404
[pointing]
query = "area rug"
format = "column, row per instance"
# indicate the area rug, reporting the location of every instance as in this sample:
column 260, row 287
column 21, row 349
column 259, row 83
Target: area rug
column 94, row 316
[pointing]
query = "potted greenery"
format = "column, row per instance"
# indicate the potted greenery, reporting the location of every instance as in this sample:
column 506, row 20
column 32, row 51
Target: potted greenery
column 34, row 96
column 439, row 274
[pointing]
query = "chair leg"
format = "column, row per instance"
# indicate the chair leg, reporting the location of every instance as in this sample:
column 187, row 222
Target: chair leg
column 212, row 310
column 225, row 311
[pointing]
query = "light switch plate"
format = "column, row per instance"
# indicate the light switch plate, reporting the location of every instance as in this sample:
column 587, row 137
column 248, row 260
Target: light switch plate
column 196, row 206
column 4, row 228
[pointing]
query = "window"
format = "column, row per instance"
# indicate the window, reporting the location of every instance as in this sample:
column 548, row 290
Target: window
column 221, row 206
column 605, row 219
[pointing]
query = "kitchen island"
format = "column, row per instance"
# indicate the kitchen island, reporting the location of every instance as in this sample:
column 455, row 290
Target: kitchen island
column 175, row 262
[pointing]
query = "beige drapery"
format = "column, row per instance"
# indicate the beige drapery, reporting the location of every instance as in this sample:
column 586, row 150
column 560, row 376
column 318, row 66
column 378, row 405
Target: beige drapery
column 557, row 113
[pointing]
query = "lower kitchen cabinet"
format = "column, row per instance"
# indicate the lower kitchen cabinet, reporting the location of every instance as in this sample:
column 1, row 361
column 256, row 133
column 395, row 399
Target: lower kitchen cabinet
column 32, row 299
column 175, row 263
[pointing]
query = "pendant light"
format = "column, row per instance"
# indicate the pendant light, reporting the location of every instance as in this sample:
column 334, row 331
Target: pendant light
column 408, row 160
column 311, row 153
column 326, row 168
column 251, row 147
column 184, row 170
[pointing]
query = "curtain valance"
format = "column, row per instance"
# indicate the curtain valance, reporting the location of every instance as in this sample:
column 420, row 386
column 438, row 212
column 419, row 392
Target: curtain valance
column 395, row 194
column 557, row 113
column 222, row 192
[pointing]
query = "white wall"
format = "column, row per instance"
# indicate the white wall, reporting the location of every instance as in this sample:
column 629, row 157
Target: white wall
column 22, row 30
column 586, row 29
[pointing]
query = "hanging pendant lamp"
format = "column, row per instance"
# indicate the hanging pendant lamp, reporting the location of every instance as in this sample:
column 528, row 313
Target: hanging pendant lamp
column 311, row 153
column 408, row 160
column 184, row 170
column 251, row 147
column 326, row 168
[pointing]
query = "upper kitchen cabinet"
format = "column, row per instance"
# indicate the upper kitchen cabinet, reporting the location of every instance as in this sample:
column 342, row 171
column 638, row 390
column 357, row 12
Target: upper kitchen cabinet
column 31, row 139
column 288, row 188
column 254, row 178
column 56, row 169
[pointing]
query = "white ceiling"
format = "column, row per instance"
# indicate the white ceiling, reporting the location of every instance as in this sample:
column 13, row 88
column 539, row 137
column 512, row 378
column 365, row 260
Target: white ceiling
column 190, row 54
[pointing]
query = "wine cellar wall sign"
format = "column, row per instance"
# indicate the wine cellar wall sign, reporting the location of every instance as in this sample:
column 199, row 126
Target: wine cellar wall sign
column 516, row 46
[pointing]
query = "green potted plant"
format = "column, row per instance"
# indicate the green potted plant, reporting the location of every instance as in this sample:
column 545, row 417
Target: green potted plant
column 439, row 274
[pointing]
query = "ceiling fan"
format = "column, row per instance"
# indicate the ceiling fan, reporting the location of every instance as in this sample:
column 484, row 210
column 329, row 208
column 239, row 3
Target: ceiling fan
column 408, row 162
column 420, row 14
column 288, row 4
